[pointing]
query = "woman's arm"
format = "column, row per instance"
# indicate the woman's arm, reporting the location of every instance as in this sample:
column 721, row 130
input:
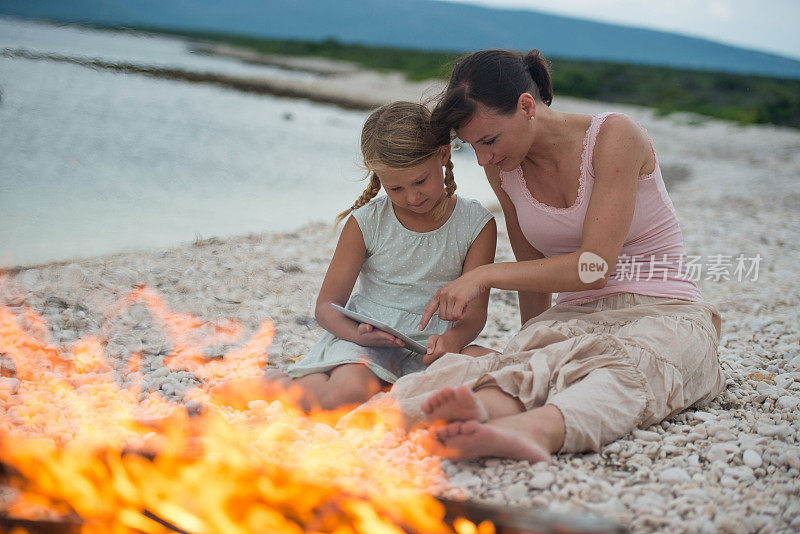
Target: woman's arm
column 621, row 155
column 531, row 303
column 466, row 329
column 337, row 286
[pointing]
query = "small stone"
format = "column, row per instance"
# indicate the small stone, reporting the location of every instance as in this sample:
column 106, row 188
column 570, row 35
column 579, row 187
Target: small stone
column 542, row 480
column 784, row 381
column 257, row 405
column 465, row 479
column 794, row 364
column 792, row 459
column 741, row 472
column 704, row 416
column 720, row 451
column 646, row 435
column 674, row 475
column 160, row 372
column 518, row 491
column 725, row 435
column 772, row 431
column 696, row 494
column 787, row 402
column 8, row 386
column 751, row 459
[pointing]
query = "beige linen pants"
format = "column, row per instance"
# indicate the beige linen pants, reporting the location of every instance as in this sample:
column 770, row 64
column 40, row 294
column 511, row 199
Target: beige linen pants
column 610, row 366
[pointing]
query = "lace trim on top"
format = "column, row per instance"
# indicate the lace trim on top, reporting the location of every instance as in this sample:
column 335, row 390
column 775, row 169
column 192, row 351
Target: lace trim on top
column 581, row 178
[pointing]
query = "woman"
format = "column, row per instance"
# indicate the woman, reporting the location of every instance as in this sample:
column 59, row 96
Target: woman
column 629, row 341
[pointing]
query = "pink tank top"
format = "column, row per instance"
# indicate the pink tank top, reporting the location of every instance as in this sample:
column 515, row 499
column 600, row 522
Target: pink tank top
column 652, row 260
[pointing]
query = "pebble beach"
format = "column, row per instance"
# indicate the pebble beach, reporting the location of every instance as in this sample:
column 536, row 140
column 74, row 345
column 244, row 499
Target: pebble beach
column 730, row 466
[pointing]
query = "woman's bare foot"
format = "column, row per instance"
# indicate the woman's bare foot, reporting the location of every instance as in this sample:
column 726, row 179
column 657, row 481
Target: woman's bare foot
column 469, row 440
column 459, row 404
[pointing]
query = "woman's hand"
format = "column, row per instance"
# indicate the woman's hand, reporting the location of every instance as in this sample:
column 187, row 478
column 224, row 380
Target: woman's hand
column 369, row 336
column 438, row 345
column 452, row 300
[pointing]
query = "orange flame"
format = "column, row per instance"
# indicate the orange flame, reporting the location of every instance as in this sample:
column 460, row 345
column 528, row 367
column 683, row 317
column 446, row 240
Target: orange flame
column 77, row 443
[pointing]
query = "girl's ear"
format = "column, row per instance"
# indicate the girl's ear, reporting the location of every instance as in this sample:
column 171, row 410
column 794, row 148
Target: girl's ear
column 527, row 104
column 445, row 151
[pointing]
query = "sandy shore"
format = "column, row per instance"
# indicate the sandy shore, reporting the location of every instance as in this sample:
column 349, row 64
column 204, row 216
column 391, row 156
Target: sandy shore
column 732, row 466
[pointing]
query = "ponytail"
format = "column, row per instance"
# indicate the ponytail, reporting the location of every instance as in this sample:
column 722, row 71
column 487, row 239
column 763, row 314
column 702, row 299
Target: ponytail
column 539, row 69
column 495, row 79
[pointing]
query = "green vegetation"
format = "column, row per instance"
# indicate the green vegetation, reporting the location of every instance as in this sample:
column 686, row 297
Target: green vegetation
column 742, row 98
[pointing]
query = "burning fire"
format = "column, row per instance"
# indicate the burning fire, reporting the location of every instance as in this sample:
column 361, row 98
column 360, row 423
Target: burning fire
column 78, row 446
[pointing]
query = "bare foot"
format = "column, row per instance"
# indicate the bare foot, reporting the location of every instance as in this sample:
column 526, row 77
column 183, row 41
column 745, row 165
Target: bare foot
column 468, row 440
column 459, row 404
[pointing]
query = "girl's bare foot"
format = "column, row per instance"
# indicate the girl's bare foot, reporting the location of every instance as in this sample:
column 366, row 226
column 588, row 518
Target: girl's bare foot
column 459, row 404
column 469, row 440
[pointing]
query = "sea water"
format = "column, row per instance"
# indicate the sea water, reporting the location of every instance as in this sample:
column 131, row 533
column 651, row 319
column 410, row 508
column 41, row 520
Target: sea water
column 95, row 162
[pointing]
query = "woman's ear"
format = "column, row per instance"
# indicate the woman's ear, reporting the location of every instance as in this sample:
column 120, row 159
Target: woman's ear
column 527, row 104
column 445, row 153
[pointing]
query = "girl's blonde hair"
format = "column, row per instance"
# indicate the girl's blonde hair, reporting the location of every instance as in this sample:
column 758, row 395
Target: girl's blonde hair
column 398, row 136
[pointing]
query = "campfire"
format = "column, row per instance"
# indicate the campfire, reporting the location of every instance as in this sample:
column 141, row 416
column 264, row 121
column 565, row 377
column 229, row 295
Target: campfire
column 87, row 448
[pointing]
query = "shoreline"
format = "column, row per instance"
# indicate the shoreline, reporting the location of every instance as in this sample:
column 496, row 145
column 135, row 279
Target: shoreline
column 346, row 86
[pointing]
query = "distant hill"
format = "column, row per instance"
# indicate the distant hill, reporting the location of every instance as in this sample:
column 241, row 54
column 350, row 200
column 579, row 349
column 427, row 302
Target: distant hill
column 422, row 24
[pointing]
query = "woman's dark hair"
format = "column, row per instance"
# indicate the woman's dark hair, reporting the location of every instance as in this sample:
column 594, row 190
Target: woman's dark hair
column 494, row 78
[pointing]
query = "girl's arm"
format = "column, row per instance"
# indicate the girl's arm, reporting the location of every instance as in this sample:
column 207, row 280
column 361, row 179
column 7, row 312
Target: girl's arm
column 622, row 154
column 337, row 286
column 481, row 252
column 531, row 303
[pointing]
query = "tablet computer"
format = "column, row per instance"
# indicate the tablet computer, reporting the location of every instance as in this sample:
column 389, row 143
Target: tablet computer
column 411, row 345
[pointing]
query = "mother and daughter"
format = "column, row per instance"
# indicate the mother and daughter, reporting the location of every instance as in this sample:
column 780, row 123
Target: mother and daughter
column 625, row 349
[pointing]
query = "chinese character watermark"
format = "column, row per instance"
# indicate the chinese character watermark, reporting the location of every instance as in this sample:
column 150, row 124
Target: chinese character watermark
column 715, row 268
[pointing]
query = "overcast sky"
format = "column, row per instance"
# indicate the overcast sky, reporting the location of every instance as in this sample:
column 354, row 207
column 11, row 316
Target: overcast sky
column 766, row 25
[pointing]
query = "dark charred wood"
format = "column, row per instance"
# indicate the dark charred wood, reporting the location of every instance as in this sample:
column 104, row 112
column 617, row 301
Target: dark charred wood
column 525, row 520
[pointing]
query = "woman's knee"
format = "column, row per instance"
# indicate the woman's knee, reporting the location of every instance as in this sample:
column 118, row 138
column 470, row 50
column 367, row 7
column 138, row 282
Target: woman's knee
column 477, row 350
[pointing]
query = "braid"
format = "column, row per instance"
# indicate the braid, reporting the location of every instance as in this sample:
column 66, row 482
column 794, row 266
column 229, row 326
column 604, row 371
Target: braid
column 449, row 188
column 369, row 193
column 449, row 179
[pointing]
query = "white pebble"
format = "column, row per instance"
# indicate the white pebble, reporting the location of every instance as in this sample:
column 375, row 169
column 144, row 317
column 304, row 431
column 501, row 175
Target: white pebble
column 542, row 480
column 674, row 475
column 160, row 372
column 465, row 479
column 720, row 451
column 787, row 402
column 751, row 459
column 518, row 491
column 646, row 435
column 784, row 381
column 11, row 385
column 704, row 416
column 771, row 431
column 741, row 472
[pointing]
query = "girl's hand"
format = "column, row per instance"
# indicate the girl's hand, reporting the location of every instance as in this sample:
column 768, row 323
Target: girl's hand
column 369, row 336
column 452, row 300
column 438, row 345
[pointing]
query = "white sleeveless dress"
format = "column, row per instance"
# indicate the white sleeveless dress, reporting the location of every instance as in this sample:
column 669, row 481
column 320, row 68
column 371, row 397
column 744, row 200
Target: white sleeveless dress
column 400, row 274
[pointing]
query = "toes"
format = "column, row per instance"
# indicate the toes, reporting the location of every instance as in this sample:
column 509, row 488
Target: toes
column 448, row 431
column 437, row 399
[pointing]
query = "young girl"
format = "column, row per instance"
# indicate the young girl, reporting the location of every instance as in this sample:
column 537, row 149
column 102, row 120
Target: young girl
column 401, row 247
